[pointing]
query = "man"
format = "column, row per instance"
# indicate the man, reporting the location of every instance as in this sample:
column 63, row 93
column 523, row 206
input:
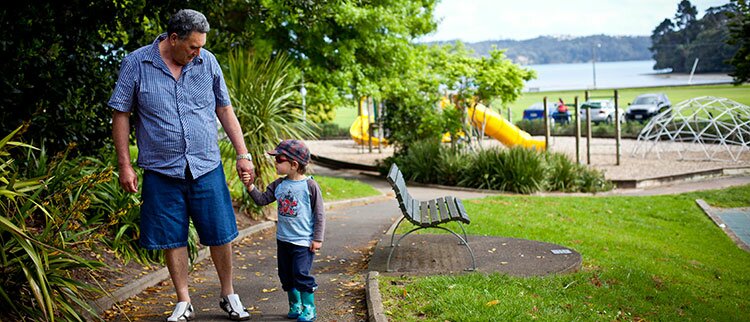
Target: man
column 177, row 91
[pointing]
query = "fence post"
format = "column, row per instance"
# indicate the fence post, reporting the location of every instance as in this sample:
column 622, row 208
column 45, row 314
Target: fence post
column 588, row 135
column 617, row 127
column 546, row 125
column 578, row 131
column 510, row 117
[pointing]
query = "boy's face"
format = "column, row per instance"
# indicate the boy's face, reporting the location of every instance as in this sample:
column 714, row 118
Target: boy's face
column 285, row 166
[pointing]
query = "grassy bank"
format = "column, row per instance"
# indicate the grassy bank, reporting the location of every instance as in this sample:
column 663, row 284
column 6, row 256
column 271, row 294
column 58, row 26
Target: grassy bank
column 644, row 258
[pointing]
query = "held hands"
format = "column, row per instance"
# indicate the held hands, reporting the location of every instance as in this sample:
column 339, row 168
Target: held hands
column 245, row 167
column 246, row 172
column 247, row 180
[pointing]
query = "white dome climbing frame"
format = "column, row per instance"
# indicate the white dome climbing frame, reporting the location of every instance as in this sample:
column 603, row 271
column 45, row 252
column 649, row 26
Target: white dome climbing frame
column 703, row 128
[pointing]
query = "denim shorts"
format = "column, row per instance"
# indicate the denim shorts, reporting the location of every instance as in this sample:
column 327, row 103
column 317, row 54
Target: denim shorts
column 170, row 203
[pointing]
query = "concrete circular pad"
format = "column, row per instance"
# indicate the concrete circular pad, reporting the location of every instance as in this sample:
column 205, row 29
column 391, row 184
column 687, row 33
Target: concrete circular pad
column 432, row 254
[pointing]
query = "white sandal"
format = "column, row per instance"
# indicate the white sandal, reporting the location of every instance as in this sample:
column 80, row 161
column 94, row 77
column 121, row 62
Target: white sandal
column 183, row 311
column 232, row 305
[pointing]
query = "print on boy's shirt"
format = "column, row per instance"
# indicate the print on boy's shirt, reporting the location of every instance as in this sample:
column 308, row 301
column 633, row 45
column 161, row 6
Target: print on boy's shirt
column 288, row 205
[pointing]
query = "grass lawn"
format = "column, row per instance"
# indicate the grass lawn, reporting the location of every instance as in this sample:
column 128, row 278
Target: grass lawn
column 340, row 189
column 333, row 188
column 656, row 258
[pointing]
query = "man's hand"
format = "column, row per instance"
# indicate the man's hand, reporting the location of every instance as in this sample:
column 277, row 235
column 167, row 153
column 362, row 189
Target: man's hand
column 315, row 246
column 244, row 167
column 128, row 178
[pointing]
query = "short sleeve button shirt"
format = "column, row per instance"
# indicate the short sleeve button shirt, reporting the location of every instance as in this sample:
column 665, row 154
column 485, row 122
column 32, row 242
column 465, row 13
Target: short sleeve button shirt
column 175, row 119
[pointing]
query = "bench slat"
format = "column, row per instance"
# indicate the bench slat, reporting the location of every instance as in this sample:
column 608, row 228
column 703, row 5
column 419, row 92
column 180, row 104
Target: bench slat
column 434, row 215
column 454, row 214
column 400, row 186
column 462, row 211
column 393, row 174
column 409, row 203
column 444, row 215
column 425, row 210
column 416, row 216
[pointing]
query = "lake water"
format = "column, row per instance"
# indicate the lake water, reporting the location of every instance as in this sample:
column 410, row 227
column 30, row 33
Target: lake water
column 622, row 74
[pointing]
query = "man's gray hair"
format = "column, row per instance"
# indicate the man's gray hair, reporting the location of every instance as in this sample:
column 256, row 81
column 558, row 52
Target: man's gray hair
column 186, row 21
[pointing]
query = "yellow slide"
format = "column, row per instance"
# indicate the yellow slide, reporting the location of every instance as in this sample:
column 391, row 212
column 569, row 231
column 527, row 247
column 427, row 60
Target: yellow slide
column 360, row 129
column 502, row 130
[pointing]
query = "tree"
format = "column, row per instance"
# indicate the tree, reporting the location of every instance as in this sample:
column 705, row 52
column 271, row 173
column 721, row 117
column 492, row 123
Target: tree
column 676, row 44
column 469, row 80
column 343, row 48
column 739, row 34
column 686, row 14
column 61, row 60
column 661, row 39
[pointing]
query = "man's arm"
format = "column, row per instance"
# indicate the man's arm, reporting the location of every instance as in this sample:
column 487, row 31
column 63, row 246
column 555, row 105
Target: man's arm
column 121, row 135
column 231, row 126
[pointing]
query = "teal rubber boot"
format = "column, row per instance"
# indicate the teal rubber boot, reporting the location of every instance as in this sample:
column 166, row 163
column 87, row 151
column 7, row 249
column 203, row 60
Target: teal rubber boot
column 295, row 304
column 308, row 307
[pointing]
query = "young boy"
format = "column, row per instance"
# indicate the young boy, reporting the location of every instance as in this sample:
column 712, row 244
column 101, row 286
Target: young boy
column 299, row 231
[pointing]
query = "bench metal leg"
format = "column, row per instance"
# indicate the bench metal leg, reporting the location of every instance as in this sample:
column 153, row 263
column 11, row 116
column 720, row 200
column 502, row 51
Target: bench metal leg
column 463, row 241
column 466, row 239
column 396, row 228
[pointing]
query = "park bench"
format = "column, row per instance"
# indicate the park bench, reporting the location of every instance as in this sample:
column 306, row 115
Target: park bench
column 427, row 214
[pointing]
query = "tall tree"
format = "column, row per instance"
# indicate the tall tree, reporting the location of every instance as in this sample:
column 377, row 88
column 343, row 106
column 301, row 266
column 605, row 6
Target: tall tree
column 677, row 44
column 61, row 59
column 739, row 30
column 343, row 48
column 686, row 14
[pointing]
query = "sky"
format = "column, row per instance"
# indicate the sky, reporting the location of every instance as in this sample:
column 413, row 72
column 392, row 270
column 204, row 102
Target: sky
column 478, row 20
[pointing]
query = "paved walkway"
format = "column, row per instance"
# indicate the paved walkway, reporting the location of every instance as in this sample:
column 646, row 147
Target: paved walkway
column 351, row 237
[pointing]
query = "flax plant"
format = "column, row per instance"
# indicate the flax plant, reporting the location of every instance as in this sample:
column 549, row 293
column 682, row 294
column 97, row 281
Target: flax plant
column 36, row 258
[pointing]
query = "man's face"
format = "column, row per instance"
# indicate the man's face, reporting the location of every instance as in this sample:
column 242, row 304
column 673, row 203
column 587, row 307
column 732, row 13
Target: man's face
column 184, row 50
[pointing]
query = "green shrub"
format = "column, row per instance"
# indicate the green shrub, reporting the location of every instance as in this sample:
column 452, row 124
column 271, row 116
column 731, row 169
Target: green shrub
column 521, row 170
column 332, row 131
column 563, row 174
column 38, row 239
column 515, row 170
column 628, row 130
column 451, row 166
column 419, row 164
column 593, row 181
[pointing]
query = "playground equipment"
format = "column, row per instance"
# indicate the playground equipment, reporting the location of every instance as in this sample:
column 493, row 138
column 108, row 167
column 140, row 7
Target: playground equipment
column 365, row 123
column 501, row 129
column 704, row 128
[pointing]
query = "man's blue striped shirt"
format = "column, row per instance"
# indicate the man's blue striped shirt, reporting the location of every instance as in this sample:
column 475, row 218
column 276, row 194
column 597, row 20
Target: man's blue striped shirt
column 175, row 119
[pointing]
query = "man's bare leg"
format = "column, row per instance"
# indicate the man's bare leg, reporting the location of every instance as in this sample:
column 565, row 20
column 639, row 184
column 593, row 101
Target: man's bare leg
column 177, row 264
column 222, row 258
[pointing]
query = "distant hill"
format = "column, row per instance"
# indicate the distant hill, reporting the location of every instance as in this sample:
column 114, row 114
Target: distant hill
column 557, row 50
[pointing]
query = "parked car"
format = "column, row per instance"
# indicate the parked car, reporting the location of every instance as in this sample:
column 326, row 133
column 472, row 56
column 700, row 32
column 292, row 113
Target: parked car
column 646, row 106
column 536, row 110
column 601, row 111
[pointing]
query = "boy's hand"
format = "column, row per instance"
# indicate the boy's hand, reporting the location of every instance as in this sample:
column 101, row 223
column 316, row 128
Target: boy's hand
column 247, row 180
column 315, row 246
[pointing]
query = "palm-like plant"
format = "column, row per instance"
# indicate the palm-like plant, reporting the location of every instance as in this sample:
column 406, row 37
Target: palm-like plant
column 264, row 97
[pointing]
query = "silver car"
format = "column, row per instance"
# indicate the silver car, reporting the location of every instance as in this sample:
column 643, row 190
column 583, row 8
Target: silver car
column 601, row 111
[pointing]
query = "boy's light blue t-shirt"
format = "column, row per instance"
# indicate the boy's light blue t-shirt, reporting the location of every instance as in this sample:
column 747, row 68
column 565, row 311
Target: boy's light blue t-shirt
column 295, row 212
